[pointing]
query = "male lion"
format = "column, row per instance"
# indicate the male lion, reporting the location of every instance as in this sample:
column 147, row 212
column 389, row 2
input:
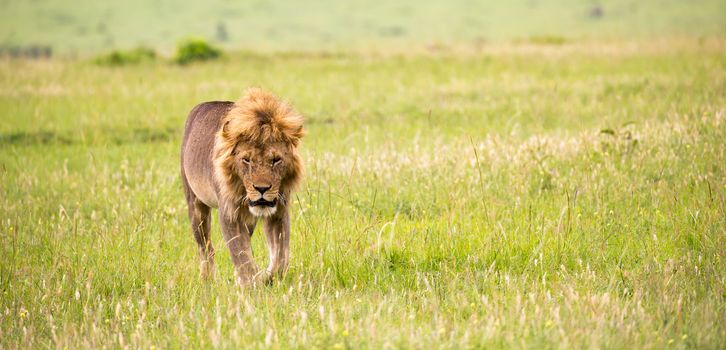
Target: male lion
column 242, row 158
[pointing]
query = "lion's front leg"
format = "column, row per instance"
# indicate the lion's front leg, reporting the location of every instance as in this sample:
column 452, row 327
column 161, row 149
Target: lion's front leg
column 237, row 236
column 277, row 231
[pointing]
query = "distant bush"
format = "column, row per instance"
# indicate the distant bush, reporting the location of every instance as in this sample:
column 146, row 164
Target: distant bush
column 120, row 57
column 596, row 12
column 31, row 51
column 191, row 50
column 222, row 32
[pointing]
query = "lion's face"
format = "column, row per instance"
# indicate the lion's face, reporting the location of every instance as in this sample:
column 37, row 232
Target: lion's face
column 256, row 163
column 263, row 169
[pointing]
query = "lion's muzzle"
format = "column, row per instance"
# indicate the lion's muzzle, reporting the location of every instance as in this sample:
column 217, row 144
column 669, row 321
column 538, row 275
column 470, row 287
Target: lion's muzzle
column 263, row 203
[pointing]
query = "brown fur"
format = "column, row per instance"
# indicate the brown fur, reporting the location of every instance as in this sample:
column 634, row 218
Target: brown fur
column 242, row 158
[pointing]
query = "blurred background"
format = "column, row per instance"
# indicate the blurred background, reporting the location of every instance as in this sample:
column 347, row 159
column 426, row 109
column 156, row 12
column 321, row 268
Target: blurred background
column 84, row 27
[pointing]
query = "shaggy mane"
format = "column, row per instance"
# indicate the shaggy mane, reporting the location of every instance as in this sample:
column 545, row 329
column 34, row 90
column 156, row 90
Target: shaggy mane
column 260, row 118
column 257, row 118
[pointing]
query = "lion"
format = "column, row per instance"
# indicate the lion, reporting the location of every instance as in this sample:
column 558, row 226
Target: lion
column 242, row 158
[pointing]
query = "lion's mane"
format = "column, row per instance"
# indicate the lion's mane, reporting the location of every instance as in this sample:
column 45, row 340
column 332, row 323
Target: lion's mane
column 258, row 118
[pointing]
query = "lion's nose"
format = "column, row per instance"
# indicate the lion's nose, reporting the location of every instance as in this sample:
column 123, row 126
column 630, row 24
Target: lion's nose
column 261, row 189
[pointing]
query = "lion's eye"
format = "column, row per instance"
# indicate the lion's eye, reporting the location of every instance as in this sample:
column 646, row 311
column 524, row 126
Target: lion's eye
column 276, row 160
column 246, row 160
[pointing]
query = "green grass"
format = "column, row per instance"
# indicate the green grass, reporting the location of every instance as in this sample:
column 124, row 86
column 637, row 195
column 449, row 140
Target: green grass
column 85, row 26
column 521, row 196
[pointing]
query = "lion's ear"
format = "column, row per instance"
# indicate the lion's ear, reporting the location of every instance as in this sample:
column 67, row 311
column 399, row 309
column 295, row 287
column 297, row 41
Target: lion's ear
column 296, row 135
column 291, row 126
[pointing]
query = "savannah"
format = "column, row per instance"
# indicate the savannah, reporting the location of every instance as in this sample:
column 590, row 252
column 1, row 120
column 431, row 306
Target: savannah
column 478, row 175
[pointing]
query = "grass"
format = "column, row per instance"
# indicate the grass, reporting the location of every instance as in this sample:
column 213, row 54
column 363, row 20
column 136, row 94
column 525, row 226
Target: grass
column 80, row 27
column 521, row 196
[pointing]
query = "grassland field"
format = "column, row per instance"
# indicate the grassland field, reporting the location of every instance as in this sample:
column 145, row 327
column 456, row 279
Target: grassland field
column 84, row 27
column 516, row 196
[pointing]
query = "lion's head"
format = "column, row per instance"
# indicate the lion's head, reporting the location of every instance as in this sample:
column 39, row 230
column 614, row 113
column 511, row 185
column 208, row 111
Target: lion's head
column 255, row 154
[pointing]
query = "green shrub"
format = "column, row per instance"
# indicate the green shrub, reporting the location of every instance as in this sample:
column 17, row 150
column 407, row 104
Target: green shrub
column 191, row 50
column 120, row 57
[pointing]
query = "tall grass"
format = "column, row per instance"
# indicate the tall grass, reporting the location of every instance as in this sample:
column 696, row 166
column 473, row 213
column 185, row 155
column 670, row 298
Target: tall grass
column 512, row 198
